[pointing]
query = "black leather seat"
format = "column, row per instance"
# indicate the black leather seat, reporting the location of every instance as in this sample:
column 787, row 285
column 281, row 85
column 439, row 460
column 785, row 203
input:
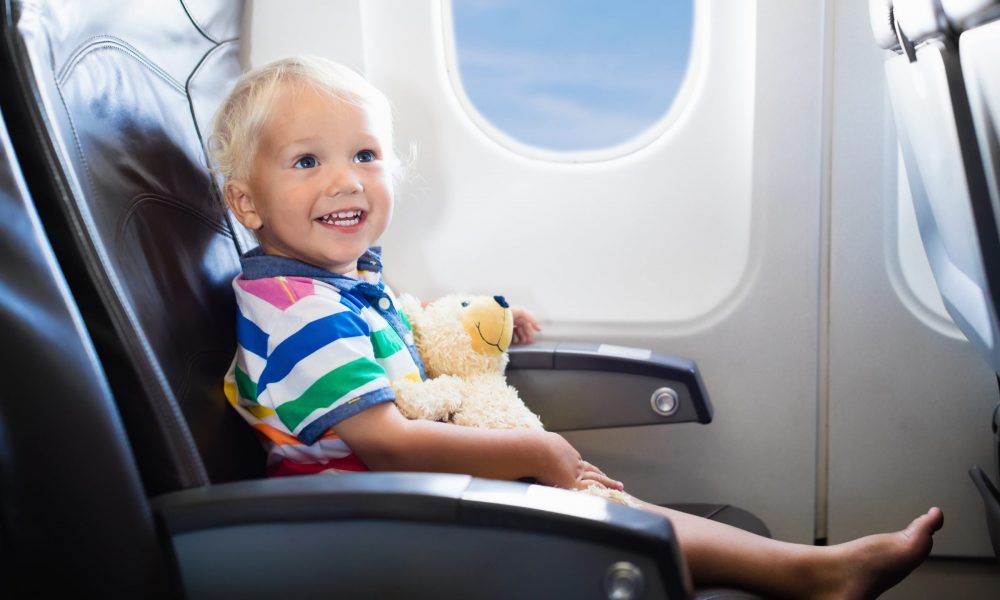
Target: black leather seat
column 120, row 178
column 107, row 105
column 71, row 501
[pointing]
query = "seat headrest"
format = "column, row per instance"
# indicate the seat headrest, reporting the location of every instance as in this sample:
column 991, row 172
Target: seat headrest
column 966, row 14
column 921, row 19
column 217, row 20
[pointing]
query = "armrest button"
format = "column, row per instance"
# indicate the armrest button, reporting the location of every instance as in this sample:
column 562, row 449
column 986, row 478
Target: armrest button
column 623, row 581
column 665, row 401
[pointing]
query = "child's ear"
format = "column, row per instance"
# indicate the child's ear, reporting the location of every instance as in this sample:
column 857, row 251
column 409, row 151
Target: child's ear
column 237, row 195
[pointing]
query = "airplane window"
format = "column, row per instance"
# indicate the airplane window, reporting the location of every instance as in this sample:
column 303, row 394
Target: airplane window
column 571, row 75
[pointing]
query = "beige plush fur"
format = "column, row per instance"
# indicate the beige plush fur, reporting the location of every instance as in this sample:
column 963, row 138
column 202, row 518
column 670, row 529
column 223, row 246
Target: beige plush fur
column 465, row 386
column 463, row 343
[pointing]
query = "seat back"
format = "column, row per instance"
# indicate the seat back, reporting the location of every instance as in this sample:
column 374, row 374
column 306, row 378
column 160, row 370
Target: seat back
column 977, row 23
column 71, row 502
column 945, row 91
column 944, row 167
column 111, row 101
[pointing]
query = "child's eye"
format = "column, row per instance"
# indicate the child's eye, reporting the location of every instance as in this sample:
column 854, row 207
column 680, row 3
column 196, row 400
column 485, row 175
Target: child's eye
column 306, row 162
column 364, row 156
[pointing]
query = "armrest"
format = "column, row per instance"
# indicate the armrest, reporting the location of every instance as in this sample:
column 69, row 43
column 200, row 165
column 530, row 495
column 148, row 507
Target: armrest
column 991, row 504
column 590, row 386
column 412, row 535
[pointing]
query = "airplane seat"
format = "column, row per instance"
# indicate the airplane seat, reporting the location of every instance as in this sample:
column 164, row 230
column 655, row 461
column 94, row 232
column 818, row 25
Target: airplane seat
column 60, row 438
column 945, row 93
column 108, row 105
column 978, row 24
column 146, row 250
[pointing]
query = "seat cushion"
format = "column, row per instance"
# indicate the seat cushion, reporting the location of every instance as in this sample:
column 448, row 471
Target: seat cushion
column 725, row 513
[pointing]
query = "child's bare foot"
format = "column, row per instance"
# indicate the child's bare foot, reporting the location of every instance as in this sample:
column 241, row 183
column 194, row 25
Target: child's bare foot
column 868, row 566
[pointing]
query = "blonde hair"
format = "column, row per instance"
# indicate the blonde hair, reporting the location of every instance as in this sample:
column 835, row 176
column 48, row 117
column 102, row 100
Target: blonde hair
column 243, row 114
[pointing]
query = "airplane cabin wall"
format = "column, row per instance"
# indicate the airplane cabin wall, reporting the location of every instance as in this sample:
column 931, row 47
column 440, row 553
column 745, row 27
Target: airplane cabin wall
column 751, row 235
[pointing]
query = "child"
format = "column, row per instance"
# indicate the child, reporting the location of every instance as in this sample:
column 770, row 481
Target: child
column 305, row 149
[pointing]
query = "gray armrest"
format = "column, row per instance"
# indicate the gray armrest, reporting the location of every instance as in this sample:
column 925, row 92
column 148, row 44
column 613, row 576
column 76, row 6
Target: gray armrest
column 991, row 504
column 590, row 386
column 412, row 535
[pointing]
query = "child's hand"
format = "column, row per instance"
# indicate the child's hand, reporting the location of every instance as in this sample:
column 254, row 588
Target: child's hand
column 568, row 470
column 525, row 325
column 592, row 475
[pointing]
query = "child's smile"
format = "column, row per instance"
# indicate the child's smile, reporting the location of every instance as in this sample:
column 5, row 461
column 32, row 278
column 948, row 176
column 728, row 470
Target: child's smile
column 319, row 190
column 343, row 220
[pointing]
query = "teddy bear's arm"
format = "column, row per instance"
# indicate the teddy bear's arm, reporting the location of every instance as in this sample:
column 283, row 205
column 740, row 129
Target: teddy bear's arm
column 434, row 399
column 493, row 404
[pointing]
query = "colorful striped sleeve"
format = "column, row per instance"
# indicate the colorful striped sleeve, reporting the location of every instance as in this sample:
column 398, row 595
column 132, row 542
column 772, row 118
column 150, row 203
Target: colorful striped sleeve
column 321, row 368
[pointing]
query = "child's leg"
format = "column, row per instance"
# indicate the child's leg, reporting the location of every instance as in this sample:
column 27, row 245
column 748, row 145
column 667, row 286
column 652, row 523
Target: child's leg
column 719, row 554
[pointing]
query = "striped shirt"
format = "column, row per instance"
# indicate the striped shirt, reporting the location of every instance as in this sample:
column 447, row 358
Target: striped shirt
column 314, row 348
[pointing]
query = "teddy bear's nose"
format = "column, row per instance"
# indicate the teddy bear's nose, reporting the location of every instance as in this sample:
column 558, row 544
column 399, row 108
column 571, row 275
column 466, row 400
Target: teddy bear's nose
column 501, row 301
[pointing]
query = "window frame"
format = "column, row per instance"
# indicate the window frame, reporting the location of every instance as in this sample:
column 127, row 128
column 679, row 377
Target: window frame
column 686, row 91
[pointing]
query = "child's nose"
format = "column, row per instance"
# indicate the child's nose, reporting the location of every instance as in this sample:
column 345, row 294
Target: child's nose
column 344, row 182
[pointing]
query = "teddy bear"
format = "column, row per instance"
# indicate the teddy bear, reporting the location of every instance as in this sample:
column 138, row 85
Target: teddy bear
column 463, row 342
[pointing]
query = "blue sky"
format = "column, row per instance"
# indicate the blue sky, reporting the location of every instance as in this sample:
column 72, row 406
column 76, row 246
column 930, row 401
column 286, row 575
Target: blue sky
column 572, row 74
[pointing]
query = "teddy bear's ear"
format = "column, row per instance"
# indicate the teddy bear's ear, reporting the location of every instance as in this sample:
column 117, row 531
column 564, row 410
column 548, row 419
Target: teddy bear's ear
column 411, row 307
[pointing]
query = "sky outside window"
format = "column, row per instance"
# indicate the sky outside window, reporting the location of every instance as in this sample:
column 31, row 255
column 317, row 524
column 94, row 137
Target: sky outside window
column 572, row 75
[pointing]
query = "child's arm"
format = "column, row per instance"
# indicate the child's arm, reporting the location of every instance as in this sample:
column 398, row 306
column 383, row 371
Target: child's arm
column 386, row 441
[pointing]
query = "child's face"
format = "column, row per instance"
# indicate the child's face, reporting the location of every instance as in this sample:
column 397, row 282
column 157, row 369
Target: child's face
column 319, row 190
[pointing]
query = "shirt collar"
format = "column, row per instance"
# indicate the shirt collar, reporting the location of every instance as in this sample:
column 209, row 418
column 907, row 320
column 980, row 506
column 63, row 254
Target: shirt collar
column 257, row 265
